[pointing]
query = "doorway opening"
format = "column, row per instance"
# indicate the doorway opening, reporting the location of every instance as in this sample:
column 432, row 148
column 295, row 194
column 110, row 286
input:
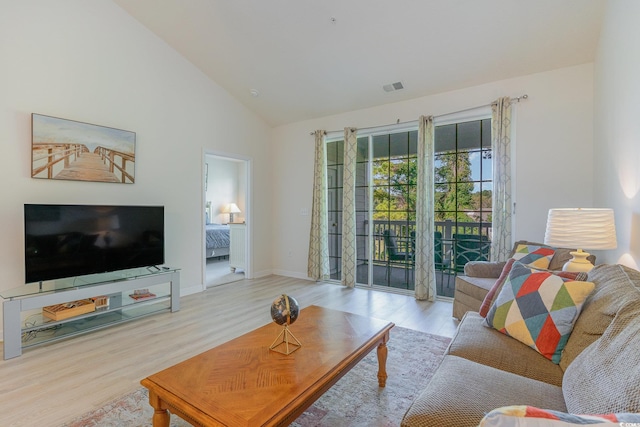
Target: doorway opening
column 226, row 205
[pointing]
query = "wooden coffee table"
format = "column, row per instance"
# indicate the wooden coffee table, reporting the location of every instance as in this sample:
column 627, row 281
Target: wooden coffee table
column 243, row 383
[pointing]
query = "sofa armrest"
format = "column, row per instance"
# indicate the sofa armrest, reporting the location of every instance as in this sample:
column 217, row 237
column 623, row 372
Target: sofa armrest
column 484, row 269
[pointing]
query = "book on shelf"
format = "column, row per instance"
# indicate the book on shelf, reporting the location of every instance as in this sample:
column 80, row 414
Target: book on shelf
column 101, row 301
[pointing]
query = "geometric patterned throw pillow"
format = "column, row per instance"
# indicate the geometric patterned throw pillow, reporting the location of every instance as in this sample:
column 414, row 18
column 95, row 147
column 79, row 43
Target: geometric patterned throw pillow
column 538, row 308
column 520, row 416
column 535, row 256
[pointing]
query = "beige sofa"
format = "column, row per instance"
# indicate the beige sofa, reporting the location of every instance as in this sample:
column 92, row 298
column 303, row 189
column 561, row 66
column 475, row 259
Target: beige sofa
column 599, row 372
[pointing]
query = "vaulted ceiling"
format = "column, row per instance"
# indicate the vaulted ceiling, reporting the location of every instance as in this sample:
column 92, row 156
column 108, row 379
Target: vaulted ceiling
column 312, row 58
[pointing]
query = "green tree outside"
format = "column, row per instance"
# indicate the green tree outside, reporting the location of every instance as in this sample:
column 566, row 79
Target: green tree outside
column 454, row 189
column 394, row 192
column 395, row 183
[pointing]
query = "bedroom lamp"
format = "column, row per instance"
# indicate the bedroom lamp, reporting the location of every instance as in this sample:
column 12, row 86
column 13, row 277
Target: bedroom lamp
column 582, row 228
column 231, row 208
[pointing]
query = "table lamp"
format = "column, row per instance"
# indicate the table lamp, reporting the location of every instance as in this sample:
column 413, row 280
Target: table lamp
column 580, row 228
column 230, row 208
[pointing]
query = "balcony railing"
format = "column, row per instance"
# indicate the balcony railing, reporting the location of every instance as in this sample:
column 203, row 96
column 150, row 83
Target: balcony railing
column 455, row 243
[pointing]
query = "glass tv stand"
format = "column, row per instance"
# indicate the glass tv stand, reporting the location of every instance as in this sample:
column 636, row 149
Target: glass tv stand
column 123, row 299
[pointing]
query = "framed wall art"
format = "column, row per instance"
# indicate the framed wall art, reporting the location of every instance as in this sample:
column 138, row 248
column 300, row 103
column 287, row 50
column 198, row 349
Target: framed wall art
column 70, row 150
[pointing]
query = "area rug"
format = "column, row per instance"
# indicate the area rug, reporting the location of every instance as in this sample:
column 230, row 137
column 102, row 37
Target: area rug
column 354, row 401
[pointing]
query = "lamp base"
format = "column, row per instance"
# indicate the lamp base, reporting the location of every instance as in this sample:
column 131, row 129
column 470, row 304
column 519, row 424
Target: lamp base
column 579, row 262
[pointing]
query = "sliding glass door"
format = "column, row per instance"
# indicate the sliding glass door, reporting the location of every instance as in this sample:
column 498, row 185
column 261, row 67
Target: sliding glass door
column 386, row 194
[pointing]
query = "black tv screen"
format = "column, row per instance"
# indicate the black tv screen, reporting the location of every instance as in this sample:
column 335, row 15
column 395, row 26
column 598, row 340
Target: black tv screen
column 74, row 240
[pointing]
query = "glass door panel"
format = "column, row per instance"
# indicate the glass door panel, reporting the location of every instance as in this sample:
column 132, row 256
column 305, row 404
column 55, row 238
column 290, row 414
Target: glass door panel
column 393, row 209
column 363, row 200
column 335, row 163
column 463, row 197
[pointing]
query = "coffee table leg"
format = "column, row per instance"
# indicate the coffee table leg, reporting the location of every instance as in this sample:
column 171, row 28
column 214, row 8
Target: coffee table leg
column 160, row 415
column 382, row 361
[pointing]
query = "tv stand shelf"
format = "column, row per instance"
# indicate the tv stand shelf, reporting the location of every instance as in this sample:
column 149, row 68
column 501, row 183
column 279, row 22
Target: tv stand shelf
column 25, row 325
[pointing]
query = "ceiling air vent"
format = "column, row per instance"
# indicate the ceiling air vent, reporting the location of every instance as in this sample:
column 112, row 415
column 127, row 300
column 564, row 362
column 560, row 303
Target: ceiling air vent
column 393, row 86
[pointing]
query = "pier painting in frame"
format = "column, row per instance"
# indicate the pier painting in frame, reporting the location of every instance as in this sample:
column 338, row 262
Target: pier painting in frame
column 70, row 150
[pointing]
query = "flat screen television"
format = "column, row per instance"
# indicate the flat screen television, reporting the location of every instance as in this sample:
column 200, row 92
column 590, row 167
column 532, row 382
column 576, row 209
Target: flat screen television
column 75, row 240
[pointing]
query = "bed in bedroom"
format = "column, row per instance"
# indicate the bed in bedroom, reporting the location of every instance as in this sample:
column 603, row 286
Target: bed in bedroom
column 217, row 240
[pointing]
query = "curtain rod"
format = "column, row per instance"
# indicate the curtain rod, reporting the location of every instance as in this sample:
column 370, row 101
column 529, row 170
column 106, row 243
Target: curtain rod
column 516, row 99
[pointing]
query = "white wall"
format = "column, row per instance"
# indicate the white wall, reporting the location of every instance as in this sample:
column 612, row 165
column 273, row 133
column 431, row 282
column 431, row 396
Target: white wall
column 224, row 187
column 553, row 153
column 617, row 127
column 92, row 62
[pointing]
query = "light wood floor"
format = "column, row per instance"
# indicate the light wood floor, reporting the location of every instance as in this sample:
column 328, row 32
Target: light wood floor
column 52, row 384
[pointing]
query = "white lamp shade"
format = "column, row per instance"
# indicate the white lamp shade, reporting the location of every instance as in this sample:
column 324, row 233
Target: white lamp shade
column 231, row 208
column 581, row 228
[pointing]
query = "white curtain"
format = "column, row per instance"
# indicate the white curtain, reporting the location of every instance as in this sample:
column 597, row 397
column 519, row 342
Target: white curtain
column 349, row 249
column 318, row 263
column 501, row 152
column 425, row 275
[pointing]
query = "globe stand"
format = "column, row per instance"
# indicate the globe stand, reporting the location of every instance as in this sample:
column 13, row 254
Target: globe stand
column 286, row 342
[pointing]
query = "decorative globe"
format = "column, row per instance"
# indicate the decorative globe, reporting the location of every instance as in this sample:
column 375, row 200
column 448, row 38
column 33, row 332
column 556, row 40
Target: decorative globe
column 285, row 310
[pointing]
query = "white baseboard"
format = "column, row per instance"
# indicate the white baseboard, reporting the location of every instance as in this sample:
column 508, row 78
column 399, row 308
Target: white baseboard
column 191, row 290
column 263, row 273
column 294, row 274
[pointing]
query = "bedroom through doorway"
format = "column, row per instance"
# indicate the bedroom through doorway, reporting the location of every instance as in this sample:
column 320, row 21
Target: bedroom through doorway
column 226, row 213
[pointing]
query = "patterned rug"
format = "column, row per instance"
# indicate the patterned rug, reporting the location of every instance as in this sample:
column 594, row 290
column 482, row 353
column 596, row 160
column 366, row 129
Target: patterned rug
column 354, row 401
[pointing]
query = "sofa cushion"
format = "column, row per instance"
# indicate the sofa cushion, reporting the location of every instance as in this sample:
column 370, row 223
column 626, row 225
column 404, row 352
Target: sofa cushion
column 615, row 286
column 538, row 308
column 605, row 377
column 535, row 255
column 523, row 416
column 475, row 342
column 496, row 288
column 461, row 392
